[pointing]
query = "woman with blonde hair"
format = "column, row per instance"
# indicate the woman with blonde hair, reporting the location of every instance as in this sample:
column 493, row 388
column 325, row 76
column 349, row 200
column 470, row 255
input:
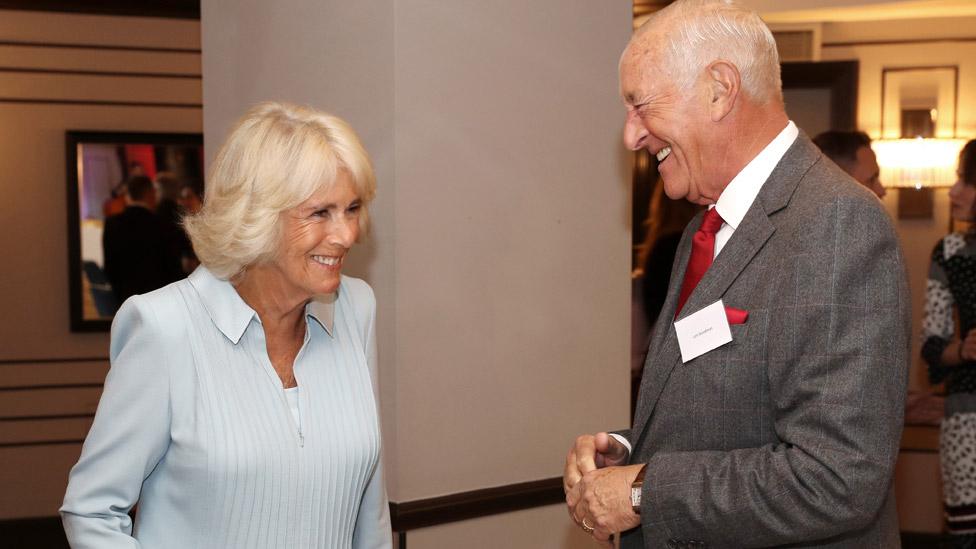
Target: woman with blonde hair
column 240, row 408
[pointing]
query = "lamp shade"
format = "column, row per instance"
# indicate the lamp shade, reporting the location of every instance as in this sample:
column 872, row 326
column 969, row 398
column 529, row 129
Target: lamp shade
column 918, row 162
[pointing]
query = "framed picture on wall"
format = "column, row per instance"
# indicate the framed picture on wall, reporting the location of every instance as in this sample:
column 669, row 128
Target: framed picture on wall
column 127, row 195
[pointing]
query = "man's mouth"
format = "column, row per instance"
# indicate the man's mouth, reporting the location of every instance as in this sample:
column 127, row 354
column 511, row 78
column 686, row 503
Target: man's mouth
column 663, row 153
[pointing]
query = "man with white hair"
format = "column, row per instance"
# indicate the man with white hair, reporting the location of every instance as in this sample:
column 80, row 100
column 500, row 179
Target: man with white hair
column 771, row 406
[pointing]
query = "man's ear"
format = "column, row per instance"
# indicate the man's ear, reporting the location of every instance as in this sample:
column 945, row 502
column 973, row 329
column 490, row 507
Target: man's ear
column 723, row 86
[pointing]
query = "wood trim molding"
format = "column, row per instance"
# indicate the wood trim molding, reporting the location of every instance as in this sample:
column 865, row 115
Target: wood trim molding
column 99, row 103
column 173, row 9
column 422, row 513
column 111, row 47
column 48, row 387
column 25, row 444
column 9, row 361
column 80, row 72
column 902, row 42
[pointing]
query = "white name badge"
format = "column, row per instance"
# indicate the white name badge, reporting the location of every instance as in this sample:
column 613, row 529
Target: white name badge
column 703, row 331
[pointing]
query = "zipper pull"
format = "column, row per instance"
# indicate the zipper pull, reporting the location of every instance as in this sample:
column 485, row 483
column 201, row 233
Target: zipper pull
column 301, row 439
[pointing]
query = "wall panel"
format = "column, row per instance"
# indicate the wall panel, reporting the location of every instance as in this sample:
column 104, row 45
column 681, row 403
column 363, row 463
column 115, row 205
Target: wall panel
column 50, row 378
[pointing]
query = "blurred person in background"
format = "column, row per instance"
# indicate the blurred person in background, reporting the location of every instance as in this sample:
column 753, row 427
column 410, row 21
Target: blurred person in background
column 853, row 153
column 141, row 254
column 950, row 351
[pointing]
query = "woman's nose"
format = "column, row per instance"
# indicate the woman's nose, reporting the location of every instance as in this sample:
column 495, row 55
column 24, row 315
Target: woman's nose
column 954, row 189
column 343, row 232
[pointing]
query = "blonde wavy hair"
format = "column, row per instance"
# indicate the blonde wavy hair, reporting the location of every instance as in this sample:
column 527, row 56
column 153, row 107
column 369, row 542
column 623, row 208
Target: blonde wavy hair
column 274, row 159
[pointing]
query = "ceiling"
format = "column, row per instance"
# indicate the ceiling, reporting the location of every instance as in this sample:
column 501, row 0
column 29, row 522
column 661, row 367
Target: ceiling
column 773, row 11
column 797, row 11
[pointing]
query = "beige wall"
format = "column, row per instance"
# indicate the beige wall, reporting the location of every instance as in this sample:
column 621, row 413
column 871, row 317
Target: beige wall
column 500, row 245
column 33, row 229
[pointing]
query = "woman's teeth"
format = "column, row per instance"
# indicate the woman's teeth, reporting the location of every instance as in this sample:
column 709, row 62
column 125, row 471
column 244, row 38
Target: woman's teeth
column 663, row 153
column 330, row 261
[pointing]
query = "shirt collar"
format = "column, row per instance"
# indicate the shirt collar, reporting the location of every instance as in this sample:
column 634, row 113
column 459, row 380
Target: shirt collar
column 742, row 191
column 322, row 309
column 232, row 315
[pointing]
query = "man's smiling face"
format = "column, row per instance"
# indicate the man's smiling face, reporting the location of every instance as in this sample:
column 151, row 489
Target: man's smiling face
column 669, row 122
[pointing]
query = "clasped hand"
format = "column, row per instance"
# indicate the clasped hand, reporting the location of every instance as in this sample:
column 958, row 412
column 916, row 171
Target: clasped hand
column 967, row 346
column 597, row 485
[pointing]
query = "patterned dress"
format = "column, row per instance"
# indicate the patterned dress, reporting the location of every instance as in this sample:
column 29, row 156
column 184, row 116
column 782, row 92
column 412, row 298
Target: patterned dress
column 951, row 288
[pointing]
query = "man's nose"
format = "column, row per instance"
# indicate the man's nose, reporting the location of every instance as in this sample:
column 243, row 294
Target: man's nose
column 635, row 134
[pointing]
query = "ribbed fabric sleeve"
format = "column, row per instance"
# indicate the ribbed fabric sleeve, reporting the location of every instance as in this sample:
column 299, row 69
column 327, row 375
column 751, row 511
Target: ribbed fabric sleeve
column 196, row 428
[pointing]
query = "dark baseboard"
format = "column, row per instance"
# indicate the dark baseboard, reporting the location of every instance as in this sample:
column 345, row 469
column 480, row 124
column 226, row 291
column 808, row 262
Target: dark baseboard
column 33, row 533
column 176, row 9
column 411, row 515
column 924, row 540
column 46, row 532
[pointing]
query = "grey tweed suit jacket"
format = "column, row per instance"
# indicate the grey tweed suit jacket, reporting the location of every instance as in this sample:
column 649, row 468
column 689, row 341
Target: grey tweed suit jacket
column 788, row 435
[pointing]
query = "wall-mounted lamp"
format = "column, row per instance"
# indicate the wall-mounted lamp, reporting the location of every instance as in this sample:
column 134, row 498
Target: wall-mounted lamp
column 915, row 167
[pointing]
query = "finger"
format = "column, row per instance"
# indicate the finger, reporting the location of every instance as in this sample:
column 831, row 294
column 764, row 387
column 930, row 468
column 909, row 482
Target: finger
column 612, row 449
column 573, row 496
column 585, row 454
column 599, row 534
column 571, row 472
column 580, row 512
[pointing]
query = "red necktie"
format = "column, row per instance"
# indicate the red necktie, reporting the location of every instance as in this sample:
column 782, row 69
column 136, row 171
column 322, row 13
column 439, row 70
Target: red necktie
column 702, row 251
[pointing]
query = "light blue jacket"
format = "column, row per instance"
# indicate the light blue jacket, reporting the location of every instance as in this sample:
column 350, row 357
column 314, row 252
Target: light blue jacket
column 193, row 424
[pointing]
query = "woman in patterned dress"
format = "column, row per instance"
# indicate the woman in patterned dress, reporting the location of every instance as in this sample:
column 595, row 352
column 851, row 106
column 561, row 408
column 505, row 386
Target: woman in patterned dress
column 950, row 352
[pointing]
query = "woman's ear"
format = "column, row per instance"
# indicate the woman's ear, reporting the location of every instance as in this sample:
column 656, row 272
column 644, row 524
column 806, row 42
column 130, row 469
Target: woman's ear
column 723, row 82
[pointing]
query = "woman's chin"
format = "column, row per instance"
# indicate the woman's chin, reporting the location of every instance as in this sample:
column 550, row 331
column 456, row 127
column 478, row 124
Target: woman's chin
column 328, row 287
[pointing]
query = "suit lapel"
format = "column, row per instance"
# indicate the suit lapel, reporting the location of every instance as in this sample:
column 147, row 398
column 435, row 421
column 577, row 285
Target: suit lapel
column 747, row 240
column 664, row 345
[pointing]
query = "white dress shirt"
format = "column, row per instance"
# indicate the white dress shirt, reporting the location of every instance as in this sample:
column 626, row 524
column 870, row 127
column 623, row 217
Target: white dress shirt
column 742, row 191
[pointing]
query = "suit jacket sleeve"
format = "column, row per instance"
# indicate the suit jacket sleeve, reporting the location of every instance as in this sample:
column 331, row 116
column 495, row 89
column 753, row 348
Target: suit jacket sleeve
column 837, row 369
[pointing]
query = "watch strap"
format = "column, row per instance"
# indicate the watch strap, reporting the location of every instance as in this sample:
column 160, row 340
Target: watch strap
column 636, row 489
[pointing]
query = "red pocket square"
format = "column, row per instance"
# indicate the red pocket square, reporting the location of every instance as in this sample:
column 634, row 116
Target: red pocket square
column 736, row 316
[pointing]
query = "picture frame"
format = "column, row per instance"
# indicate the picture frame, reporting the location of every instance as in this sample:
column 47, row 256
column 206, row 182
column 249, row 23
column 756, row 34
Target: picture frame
column 99, row 165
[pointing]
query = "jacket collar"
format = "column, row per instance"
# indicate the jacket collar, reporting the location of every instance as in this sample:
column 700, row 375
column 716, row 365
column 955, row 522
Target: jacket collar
column 232, row 315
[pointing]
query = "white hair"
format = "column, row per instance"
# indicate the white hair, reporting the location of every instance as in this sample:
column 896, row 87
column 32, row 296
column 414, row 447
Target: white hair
column 697, row 33
column 274, row 159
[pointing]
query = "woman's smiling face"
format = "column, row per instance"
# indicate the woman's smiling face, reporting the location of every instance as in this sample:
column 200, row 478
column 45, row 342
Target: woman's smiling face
column 316, row 236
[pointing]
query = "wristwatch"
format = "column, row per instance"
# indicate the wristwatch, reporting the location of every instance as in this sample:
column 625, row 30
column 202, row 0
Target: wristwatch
column 635, row 490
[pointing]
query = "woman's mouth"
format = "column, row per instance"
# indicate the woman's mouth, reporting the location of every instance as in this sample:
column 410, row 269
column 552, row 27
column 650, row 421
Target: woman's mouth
column 327, row 260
